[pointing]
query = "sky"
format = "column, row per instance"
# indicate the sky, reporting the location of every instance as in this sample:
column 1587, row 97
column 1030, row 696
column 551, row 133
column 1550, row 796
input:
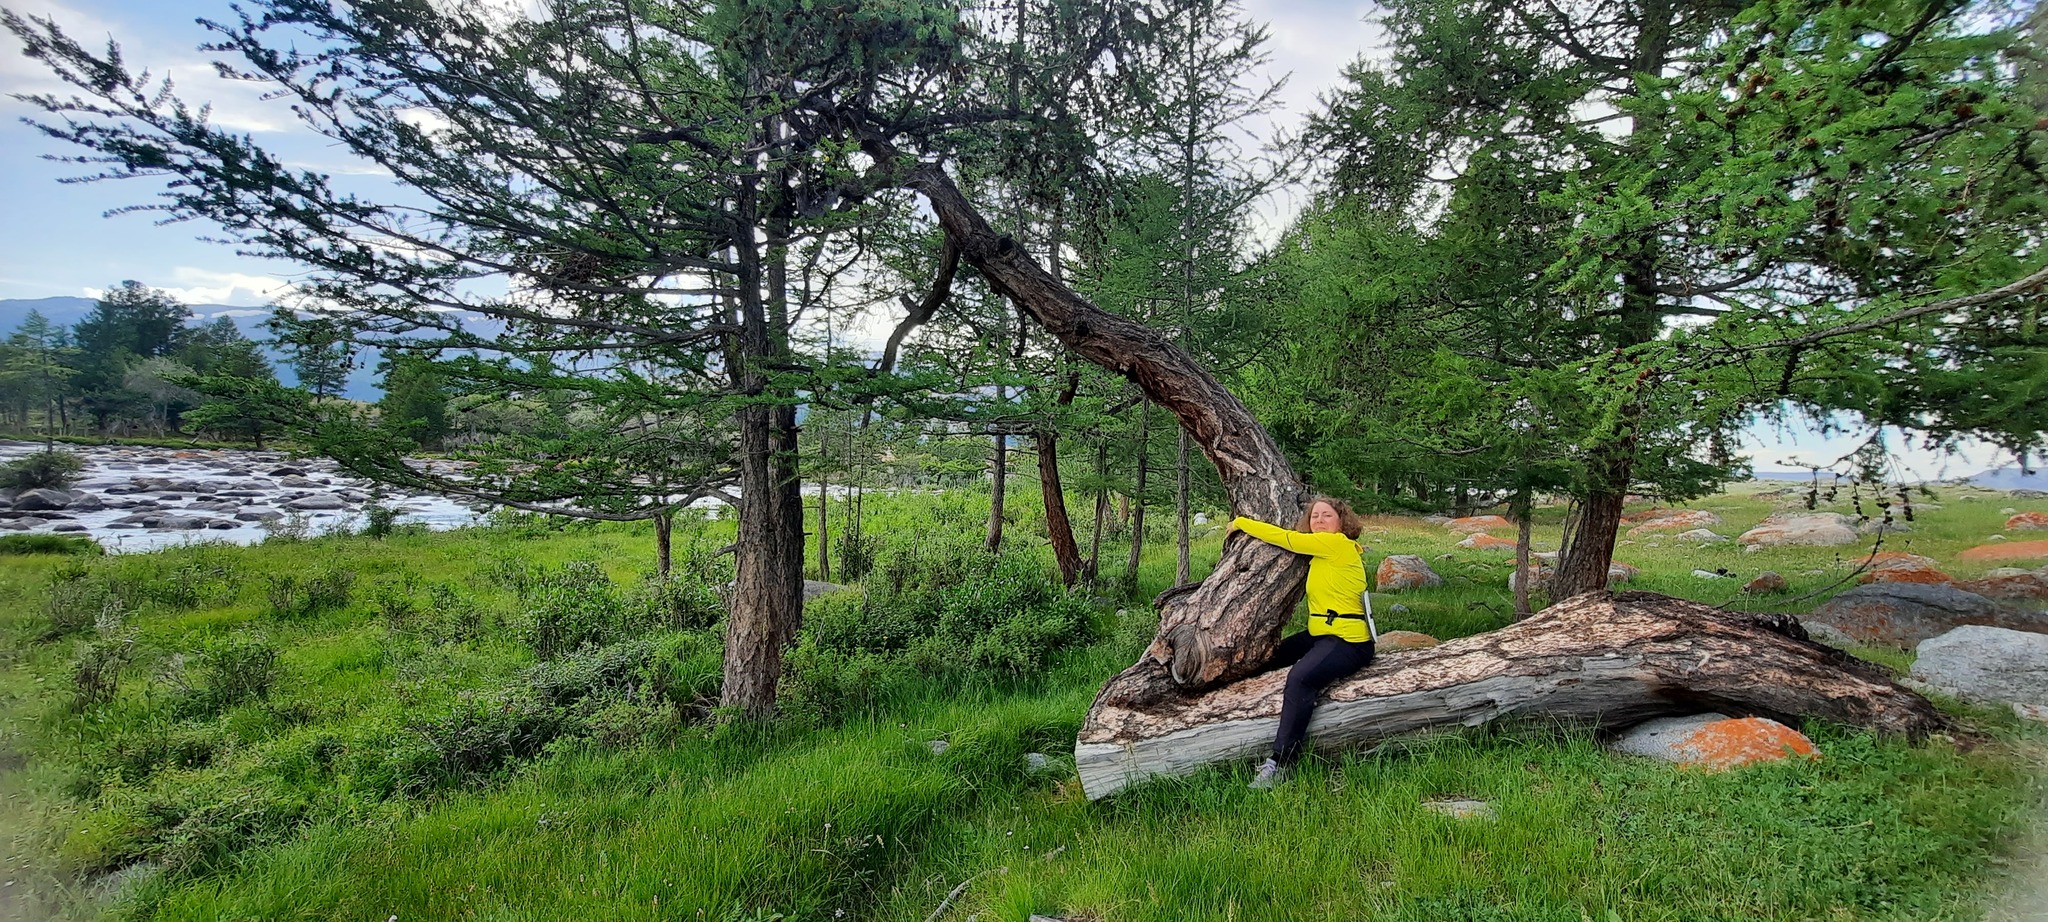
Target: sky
column 55, row 237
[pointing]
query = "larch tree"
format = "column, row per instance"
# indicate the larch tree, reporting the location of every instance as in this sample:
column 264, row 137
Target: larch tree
column 1782, row 173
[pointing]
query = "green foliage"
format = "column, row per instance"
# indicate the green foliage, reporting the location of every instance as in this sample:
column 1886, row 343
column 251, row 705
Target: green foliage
column 70, row 545
column 379, row 520
column 577, row 605
column 233, row 670
column 44, row 469
column 932, row 608
column 96, row 672
column 296, row 595
column 77, row 600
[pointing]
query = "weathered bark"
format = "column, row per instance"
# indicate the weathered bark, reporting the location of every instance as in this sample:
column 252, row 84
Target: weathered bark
column 1183, row 569
column 1225, row 626
column 753, row 657
column 1058, row 527
column 1598, row 660
column 766, row 607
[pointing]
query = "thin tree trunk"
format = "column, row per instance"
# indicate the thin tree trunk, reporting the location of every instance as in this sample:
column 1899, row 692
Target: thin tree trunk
column 999, row 476
column 1058, row 527
column 664, row 535
column 1522, row 579
column 824, row 531
column 1138, row 497
column 1092, row 569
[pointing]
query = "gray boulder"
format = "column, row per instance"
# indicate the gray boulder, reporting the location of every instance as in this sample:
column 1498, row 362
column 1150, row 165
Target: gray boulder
column 1703, row 535
column 1659, row 739
column 42, row 500
column 1822, row 529
column 815, row 588
column 1405, row 571
column 82, row 501
column 1821, row 632
column 1904, row 614
column 318, row 503
column 1988, row 665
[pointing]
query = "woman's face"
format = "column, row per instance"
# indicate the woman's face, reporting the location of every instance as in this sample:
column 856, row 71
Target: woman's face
column 1324, row 518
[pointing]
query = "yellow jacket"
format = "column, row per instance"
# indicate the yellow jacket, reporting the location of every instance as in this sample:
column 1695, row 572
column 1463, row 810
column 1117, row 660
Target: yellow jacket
column 1336, row 575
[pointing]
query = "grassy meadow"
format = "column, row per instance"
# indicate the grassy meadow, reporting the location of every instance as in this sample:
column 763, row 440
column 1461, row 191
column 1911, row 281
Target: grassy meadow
column 515, row 722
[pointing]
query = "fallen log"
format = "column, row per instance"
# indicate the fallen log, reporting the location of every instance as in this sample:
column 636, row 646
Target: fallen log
column 1600, row 660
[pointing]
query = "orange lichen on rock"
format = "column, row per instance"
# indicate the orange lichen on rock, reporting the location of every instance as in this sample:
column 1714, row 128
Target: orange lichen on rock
column 2022, row 587
column 2008, row 550
column 1485, row 542
column 1472, row 523
column 1726, row 744
column 1897, row 567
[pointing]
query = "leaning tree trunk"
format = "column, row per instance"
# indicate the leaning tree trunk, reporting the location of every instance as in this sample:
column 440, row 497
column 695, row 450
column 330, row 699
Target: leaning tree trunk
column 1059, row 528
column 1226, row 626
column 1597, row 660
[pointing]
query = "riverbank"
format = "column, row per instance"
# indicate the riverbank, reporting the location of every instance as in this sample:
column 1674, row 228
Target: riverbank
column 133, row 499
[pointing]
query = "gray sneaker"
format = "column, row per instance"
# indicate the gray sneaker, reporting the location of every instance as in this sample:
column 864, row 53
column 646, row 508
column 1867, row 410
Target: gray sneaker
column 1271, row 772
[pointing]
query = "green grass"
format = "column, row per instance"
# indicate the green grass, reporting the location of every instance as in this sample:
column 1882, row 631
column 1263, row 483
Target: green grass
column 298, row 805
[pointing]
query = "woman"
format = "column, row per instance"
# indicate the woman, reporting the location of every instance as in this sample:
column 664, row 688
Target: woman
column 1340, row 636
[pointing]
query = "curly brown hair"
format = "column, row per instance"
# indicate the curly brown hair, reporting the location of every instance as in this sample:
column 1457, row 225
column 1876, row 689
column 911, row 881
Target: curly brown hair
column 1349, row 522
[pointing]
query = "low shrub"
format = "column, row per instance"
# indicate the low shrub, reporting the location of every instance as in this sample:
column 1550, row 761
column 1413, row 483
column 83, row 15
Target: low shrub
column 238, row 668
column 54, row 470
column 292, row 595
column 456, row 615
column 856, row 554
column 397, row 608
column 507, row 569
column 932, row 609
column 379, row 520
column 199, row 829
column 576, row 606
column 132, row 757
column 682, row 602
column 50, row 544
column 183, row 585
column 829, row 686
column 96, row 673
column 75, row 604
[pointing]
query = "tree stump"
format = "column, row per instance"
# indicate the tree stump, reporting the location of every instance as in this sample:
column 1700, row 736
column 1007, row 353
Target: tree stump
column 1600, row 660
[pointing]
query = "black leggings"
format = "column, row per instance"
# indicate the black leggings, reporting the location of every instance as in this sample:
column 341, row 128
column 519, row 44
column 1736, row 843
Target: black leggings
column 1319, row 661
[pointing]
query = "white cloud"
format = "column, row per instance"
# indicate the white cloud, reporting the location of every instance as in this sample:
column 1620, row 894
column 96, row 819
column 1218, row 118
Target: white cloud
column 207, row 286
column 240, row 312
column 236, row 105
column 1801, row 441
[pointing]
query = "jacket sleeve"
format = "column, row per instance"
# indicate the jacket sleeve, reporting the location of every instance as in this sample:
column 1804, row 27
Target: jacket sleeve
column 1318, row 545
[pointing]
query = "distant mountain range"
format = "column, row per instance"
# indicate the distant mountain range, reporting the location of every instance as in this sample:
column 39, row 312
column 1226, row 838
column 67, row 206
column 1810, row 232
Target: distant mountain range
column 2001, row 478
column 68, row 311
column 2011, row 478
